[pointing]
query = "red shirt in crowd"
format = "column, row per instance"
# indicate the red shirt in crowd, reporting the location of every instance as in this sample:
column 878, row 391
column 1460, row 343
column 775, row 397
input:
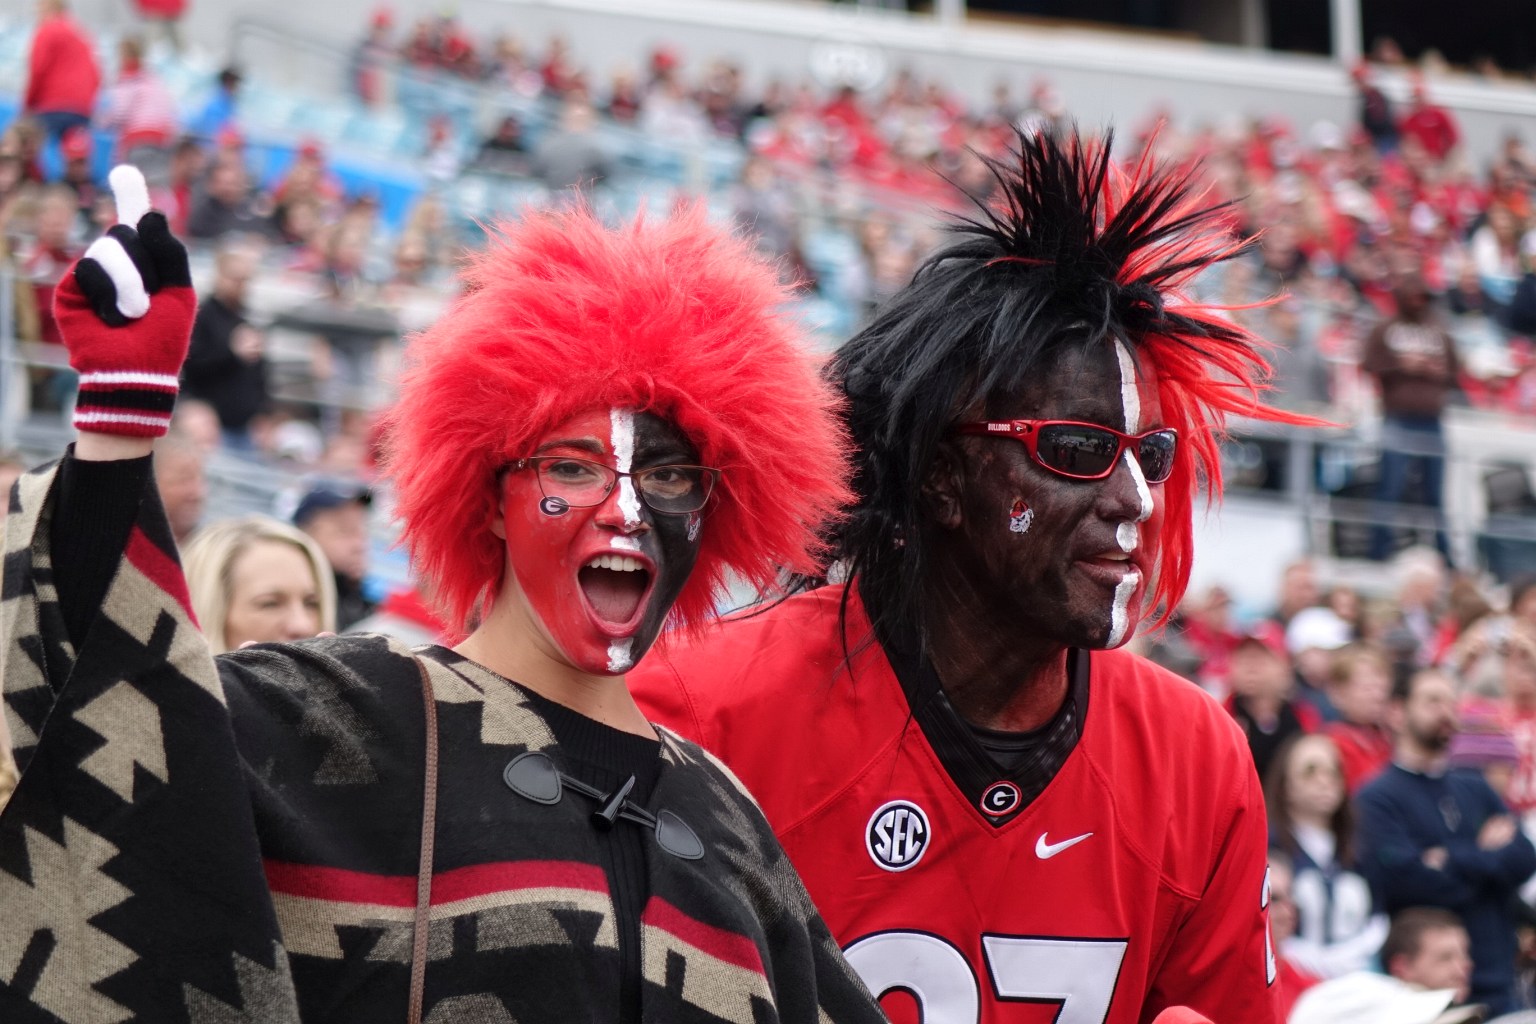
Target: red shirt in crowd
column 62, row 76
column 170, row 9
column 1433, row 128
column 44, row 268
column 1364, row 750
column 142, row 111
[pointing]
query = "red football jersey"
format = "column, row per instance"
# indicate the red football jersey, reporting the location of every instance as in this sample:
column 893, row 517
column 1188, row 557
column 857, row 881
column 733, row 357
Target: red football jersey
column 1134, row 882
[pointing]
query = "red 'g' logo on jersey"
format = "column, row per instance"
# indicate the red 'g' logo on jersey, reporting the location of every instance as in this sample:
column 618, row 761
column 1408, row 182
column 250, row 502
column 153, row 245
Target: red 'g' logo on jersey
column 1000, row 798
column 897, row 835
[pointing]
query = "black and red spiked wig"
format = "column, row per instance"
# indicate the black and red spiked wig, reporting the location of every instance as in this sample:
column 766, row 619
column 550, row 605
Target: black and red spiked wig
column 671, row 316
column 1073, row 251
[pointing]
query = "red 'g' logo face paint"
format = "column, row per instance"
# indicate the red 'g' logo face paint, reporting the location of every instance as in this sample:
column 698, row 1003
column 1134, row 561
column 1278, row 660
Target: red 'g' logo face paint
column 600, row 579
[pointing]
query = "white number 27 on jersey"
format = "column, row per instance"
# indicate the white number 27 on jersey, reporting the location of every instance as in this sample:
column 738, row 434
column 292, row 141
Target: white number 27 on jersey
column 1080, row 974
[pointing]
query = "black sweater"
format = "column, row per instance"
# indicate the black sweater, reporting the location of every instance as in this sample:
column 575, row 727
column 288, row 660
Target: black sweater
column 235, row 387
column 244, row 836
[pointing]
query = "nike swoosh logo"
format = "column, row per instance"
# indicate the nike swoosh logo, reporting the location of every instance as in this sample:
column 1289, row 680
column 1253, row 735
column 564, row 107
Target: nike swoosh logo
column 1045, row 850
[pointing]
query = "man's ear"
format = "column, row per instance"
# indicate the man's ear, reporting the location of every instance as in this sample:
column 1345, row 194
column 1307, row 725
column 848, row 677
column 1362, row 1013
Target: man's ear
column 942, row 487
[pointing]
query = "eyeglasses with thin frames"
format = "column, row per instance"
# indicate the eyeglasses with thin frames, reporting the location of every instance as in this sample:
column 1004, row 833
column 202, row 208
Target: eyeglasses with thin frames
column 672, row 490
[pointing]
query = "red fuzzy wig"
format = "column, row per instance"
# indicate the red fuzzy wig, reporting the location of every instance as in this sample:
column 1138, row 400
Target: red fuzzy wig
column 1074, row 253
column 673, row 317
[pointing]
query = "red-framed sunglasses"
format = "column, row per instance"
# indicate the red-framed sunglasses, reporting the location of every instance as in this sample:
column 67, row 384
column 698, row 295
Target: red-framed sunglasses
column 1084, row 451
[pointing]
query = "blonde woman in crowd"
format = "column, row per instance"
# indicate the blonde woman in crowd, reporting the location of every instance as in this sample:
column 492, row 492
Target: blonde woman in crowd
column 258, row 580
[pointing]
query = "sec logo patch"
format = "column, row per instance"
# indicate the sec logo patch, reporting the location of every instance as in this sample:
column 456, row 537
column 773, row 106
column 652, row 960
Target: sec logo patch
column 897, row 835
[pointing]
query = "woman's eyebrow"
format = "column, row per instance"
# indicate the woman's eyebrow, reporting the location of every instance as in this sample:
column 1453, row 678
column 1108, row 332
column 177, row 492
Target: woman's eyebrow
column 586, row 444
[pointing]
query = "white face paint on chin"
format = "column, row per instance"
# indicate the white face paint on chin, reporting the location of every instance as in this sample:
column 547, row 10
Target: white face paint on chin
column 621, row 656
column 1120, row 610
column 622, row 424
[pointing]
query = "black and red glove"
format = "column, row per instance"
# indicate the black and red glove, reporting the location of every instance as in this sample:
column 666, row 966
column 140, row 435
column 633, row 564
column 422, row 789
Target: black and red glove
column 126, row 311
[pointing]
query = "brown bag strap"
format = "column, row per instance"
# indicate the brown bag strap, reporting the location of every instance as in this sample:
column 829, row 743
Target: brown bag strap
column 423, row 922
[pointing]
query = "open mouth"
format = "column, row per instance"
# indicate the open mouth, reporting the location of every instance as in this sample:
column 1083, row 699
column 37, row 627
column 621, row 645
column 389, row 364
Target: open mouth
column 615, row 587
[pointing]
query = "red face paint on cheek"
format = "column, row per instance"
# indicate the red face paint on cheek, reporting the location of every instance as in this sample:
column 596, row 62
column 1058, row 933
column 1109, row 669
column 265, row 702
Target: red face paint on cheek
column 541, row 542
column 550, row 544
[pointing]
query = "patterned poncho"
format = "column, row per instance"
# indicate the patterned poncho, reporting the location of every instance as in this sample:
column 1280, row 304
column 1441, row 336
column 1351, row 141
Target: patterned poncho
column 237, row 840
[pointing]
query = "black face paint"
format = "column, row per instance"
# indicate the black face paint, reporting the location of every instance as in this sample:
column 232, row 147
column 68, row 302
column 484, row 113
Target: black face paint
column 673, row 539
column 1046, row 547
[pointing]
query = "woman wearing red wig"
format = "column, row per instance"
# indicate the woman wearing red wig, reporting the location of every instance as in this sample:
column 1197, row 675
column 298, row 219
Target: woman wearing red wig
column 346, row 829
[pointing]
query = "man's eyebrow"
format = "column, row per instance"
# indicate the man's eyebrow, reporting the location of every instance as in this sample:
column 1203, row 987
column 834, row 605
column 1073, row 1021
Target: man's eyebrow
column 586, row 444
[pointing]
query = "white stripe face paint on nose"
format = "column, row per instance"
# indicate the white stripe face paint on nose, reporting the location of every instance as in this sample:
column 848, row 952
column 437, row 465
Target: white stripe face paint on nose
column 1130, row 402
column 1128, row 534
column 1143, row 492
column 622, row 429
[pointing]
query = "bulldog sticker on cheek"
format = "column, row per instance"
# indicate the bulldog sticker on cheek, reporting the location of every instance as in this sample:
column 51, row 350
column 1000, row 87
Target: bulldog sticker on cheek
column 694, row 522
column 554, row 506
column 1020, row 517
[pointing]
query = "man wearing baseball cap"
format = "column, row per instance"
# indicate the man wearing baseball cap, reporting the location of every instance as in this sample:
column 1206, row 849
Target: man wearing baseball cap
column 335, row 514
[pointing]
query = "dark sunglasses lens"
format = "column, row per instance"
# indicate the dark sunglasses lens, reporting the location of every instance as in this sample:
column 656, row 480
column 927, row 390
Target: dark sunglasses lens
column 1156, row 455
column 1077, row 449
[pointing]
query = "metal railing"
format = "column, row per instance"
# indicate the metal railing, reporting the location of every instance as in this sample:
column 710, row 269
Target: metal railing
column 1320, row 477
column 1327, row 478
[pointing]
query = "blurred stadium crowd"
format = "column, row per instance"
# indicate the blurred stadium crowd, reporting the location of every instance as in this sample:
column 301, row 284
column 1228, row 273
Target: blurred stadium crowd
column 325, row 227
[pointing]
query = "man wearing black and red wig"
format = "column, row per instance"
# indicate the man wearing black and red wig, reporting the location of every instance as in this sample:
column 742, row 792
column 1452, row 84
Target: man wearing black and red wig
column 1002, row 816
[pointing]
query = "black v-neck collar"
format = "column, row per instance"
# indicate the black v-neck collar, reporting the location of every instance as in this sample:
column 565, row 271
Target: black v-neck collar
column 998, row 794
